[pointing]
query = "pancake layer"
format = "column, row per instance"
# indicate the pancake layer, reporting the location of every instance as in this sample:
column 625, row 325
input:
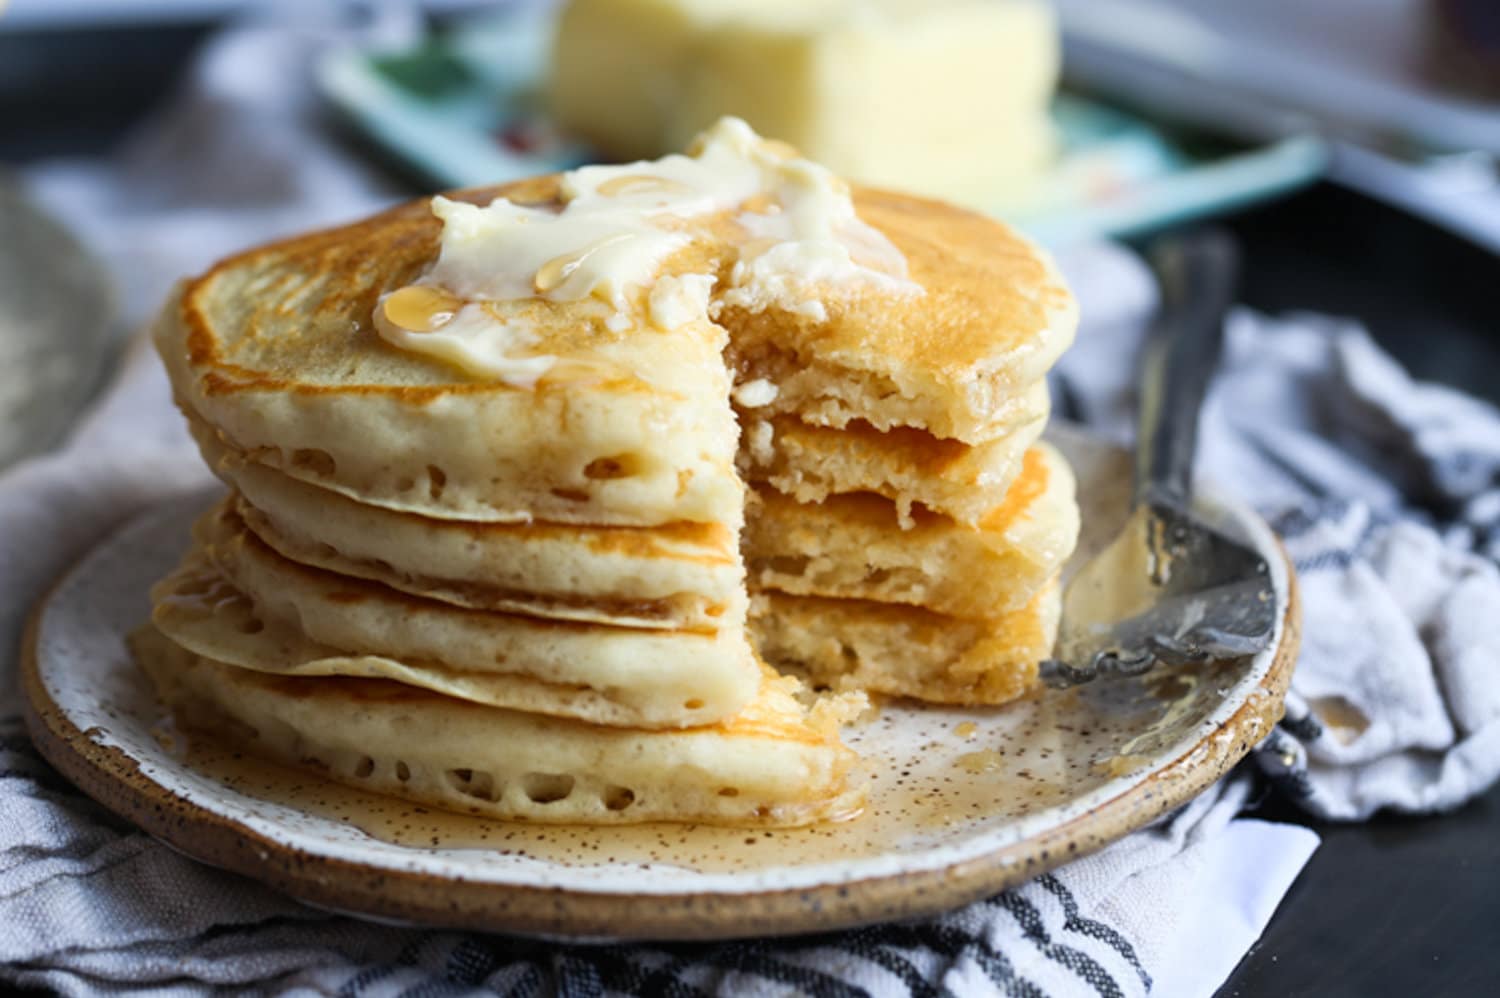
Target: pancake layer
column 237, row 589
column 675, row 576
column 908, row 466
column 955, row 362
column 907, row 651
column 851, row 546
column 276, row 348
column 775, row 763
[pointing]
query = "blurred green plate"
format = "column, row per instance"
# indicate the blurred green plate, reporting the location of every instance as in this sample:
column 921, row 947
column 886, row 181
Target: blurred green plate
column 464, row 108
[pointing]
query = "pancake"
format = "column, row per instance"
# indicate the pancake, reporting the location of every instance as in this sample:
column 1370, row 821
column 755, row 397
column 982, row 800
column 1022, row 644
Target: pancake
column 851, row 546
column 276, row 348
column 908, row 466
column 907, row 651
column 682, row 575
column 233, row 631
column 775, row 763
column 606, row 675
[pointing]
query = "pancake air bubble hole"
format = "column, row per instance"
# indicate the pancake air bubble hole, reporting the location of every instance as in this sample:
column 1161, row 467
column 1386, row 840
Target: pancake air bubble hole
column 403, row 771
column 618, row 798
column 365, row 767
column 693, row 704
column 436, row 480
column 546, row 788
column 252, row 625
column 617, row 466
column 405, row 483
column 572, row 495
column 319, row 462
column 476, row 783
column 729, row 791
column 786, row 565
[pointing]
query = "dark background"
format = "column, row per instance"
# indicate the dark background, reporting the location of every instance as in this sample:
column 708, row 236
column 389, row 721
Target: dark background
column 1396, row 906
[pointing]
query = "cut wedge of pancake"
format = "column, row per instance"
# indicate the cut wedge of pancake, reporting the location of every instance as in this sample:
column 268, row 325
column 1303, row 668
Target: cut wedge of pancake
column 680, row 575
column 239, row 594
column 775, row 763
column 908, row 651
column 851, row 546
column 995, row 316
column 907, row 466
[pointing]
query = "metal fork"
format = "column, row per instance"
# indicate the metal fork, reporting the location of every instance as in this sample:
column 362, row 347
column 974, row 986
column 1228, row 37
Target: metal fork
column 1169, row 588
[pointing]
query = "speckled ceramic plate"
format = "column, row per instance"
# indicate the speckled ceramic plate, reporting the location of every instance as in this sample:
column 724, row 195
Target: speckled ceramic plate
column 965, row 802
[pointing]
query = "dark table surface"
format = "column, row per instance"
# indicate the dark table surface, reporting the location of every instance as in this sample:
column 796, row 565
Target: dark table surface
column 1395, row 906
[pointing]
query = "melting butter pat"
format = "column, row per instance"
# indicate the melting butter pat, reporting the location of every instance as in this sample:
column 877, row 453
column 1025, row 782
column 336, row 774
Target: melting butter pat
column 788, row 224
column 943, row 97
column 677, row 300
column 472, row 338
column 504, row 251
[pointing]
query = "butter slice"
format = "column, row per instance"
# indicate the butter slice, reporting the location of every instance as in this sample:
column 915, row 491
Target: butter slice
column 941, row 97
column 616, row 226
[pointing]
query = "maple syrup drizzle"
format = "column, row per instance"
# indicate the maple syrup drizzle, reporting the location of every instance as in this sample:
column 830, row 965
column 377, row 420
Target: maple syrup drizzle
column 421, row 308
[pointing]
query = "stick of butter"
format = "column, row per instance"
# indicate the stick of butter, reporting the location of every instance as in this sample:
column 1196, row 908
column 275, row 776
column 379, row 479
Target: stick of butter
column 941, row 97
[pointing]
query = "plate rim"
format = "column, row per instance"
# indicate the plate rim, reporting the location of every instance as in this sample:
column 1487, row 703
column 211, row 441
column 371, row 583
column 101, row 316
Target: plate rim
column 115, row 779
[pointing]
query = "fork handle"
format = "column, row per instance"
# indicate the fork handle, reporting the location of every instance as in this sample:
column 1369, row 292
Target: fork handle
column 1197, row 272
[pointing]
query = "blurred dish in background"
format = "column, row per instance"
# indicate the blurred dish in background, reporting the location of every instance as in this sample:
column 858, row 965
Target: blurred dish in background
column 1358, row 69
column 946, row 98
column 55, row 327
column 468, row 106
column 1390, row 84
column 49, row 15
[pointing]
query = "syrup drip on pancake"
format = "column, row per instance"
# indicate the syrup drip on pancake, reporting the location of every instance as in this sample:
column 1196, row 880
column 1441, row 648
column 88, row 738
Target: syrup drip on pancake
column 785, row 228
column 421, row 308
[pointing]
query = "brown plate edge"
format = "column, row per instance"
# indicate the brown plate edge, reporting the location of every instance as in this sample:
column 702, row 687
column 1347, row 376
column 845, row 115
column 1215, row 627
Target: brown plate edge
column 113, row 779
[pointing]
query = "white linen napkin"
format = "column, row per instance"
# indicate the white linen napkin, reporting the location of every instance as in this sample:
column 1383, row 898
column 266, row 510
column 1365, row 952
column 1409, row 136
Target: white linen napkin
column 88, row 905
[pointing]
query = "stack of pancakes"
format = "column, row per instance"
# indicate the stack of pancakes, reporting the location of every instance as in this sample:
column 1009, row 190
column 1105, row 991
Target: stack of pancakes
column 526, row 603
column 525, row 597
